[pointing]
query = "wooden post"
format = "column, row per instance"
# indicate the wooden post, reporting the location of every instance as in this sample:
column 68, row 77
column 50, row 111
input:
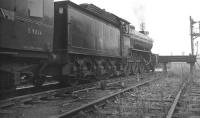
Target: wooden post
column 191, row 35
column 191, row 72
column 191, row 68
column 165, row 67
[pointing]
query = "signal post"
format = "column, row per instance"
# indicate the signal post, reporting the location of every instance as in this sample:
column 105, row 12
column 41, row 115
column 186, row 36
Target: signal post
column 193, row 36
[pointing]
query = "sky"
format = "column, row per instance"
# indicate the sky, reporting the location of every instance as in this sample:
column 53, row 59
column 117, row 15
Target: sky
column 166, row 20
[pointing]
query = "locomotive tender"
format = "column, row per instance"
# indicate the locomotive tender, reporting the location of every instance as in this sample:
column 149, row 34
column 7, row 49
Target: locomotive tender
column 42, row 39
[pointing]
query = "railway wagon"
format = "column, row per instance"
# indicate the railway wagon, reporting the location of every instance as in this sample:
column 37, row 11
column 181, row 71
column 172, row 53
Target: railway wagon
column 26, row 41
column 42, row 40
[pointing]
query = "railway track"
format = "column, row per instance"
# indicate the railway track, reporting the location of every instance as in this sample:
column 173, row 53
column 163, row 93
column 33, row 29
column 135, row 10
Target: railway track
column 45, row 92
column 187, row 101
column 91, row 106
column 150, row 101
column 174, row 97
column 26, row 90
column 62, row 101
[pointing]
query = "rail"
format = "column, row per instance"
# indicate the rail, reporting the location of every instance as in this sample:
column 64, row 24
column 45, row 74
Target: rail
column 96, row 102
column 172, row 109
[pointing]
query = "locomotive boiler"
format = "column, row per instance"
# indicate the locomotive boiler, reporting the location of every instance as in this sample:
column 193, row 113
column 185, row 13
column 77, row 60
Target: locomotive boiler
column 42, row 40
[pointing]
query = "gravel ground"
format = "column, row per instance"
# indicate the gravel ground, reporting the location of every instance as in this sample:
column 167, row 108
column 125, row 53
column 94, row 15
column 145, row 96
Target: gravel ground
column 189, row 103
column 54, row 106
column 149, row 101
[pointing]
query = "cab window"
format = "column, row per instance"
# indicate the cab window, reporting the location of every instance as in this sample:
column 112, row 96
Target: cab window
column 35, row 8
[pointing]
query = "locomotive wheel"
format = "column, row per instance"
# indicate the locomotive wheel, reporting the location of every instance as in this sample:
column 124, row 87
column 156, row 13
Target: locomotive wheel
column 142, row 69
column 72, row 81
column 136, row 68
column 133, row 68
column 127, row 70
column 38, row 81
column 148, row 68
column 89, row 79
column 65, row 80
column 152, row 68
column 104, row 76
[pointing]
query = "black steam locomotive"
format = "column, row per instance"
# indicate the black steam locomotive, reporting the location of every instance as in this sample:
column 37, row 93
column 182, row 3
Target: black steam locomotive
column 43, row 39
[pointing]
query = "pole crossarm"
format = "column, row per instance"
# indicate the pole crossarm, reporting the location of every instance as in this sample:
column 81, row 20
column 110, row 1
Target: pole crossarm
column 196, row 34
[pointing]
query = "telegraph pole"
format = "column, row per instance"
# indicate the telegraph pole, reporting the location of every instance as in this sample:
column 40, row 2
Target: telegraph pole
column 193, row 36
column 197, row 44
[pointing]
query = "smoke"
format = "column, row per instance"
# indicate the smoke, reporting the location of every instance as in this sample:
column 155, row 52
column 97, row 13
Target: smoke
column 139, row 11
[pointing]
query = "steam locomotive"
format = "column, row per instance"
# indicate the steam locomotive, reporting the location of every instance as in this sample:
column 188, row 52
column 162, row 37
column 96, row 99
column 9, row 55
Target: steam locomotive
column 66, row 42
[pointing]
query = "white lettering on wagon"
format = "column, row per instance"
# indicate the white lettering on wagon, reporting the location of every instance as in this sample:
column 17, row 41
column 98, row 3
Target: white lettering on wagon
column 34, row 31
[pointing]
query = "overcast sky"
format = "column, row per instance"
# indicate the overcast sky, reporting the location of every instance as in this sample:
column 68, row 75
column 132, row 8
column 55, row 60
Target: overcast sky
column 166, row 20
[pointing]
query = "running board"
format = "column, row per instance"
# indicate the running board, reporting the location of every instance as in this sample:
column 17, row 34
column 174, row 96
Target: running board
column 137, row 50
